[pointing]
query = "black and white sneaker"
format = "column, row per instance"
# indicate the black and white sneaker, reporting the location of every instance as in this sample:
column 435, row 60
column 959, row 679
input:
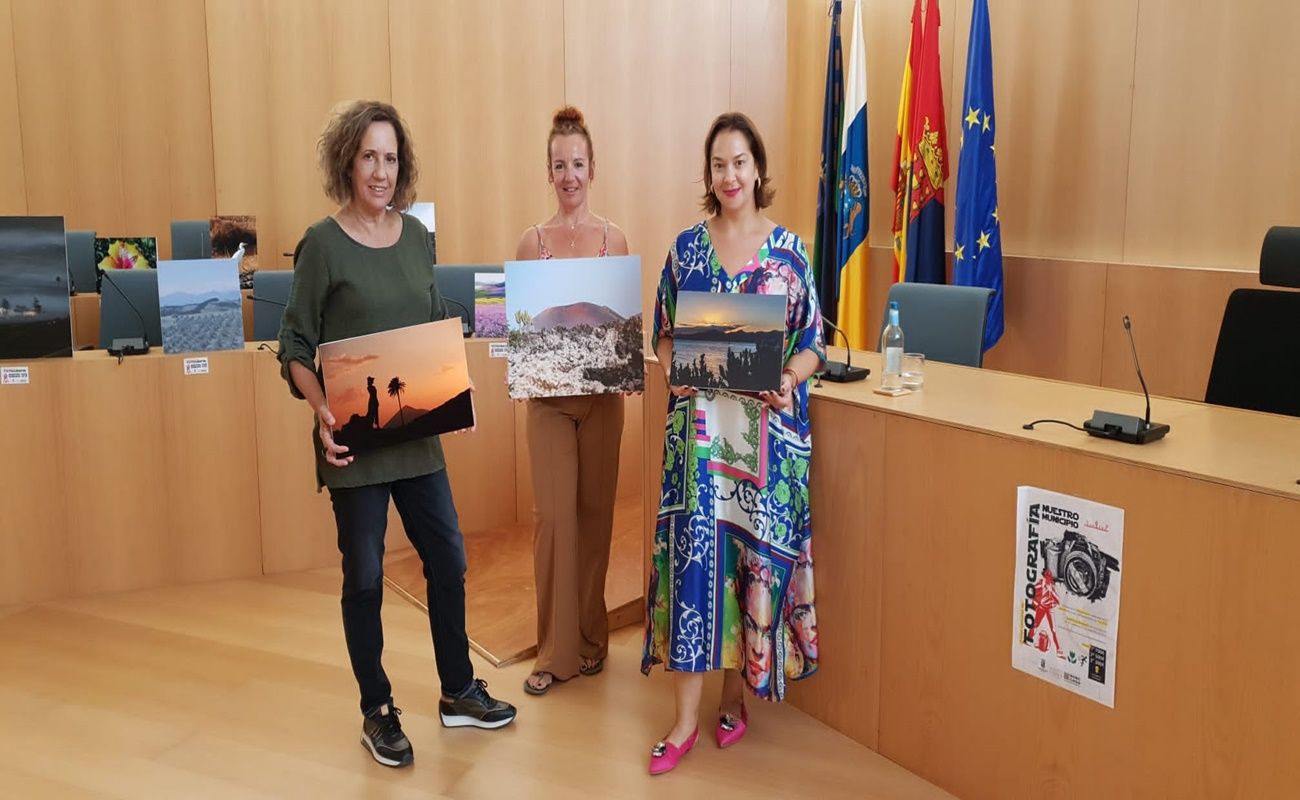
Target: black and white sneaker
column 381, row 733
column 474, row 707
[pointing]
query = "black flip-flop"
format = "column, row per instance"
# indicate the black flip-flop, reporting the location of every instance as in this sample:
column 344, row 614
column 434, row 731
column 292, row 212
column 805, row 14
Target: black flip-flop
column 593, row 669
column 528, row 687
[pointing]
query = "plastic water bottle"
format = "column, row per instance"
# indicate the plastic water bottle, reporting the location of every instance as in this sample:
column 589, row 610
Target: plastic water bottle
column 891, row 344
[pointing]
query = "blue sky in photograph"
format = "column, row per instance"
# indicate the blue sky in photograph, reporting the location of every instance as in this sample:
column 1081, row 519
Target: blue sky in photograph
column 535, row 286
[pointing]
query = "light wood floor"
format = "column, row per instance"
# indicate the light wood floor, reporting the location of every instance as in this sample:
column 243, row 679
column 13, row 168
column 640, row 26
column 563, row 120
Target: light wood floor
column 501, row 595
column 241, row 689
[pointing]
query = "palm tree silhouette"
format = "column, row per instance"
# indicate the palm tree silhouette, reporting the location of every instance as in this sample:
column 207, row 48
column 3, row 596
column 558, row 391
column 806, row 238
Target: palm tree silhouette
column 395, row 387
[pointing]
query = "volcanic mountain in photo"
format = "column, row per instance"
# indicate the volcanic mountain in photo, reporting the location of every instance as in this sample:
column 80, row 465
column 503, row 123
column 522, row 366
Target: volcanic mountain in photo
column 575, row 314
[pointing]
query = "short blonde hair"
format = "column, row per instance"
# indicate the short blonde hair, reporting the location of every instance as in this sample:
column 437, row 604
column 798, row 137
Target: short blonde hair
column 341, row 141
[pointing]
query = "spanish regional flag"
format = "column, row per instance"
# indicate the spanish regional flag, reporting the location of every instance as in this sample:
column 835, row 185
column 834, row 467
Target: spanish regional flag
column 854, row 254
column 921, row 151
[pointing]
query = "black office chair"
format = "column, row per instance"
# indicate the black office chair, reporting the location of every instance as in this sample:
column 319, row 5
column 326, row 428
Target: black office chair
column 270, row 296
column 1257, row 359
column 137, row 318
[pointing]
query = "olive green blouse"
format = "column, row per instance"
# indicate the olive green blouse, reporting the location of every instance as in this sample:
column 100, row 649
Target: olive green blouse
column 341, row 289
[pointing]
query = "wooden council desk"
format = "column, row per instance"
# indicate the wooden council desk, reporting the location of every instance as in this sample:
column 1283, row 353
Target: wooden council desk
column 135, row 475
column 914, row 501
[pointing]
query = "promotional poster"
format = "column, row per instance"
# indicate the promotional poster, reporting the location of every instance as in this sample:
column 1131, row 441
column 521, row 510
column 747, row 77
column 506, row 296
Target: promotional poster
column 1065, row 618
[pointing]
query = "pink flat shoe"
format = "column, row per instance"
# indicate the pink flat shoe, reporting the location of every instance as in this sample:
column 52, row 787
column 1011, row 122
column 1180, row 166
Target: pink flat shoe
column 731, row 730
column 665, row 755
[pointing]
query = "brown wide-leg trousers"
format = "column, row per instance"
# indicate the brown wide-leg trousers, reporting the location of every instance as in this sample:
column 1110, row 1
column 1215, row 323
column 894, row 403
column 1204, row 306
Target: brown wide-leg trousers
column 573, row 447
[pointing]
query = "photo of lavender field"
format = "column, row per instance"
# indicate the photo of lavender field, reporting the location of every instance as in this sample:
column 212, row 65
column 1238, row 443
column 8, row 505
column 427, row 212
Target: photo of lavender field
column 490, row 305
column 728, row 341
column 200, row 305
column 574, row 327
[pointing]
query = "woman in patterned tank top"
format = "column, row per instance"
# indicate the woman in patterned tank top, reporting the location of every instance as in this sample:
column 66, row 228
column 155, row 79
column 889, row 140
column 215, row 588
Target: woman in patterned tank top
column 573, row 443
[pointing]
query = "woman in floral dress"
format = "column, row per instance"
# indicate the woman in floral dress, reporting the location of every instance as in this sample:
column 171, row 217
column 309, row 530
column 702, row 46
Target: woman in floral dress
column 732, row 556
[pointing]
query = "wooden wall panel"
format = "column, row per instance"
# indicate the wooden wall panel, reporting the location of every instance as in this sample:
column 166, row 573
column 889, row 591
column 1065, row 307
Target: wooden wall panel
column 848, row 478
column 1063, row 76
column 279, row 67
column 805, row 82
column 35, row 565
column 1054, row 317
column 478, row 83
column 650, row 77
column 297, row 522
column 1175, row 315
column 13, row 188
column 1213, row 154
column 484, row 492
column 758, row 86
column 113, row 103
column 208, row 492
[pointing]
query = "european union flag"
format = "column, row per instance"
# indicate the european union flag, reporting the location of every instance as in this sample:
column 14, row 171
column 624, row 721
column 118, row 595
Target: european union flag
column 977, row 241
column 826, row 265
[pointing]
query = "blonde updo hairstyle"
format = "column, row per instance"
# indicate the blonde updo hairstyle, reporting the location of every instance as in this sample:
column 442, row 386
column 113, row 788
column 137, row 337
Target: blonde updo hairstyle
column 569, row 120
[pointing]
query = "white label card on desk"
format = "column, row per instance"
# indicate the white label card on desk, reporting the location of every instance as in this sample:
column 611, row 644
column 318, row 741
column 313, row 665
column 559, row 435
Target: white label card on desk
column 14, row 376
column 496, row 350
column 196, row 366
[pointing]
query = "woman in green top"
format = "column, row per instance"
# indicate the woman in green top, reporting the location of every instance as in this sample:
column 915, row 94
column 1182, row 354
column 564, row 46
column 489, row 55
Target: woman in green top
column 363, row 269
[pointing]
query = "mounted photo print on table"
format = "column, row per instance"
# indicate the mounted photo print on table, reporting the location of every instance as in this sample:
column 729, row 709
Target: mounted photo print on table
column 200, row 305
column 574, row 327
column 227, row 234
column 489, row 305
column 394, row 386
column 34, row 315
column 729, row 341
column 138, row 252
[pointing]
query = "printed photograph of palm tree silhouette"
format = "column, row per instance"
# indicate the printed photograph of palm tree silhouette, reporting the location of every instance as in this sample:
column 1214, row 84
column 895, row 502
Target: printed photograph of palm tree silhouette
column 138, row 252
column 34, row 318
column 574, row 327
column 489, row 304
column 200, row 305
column 398, row 385
column 728, row 341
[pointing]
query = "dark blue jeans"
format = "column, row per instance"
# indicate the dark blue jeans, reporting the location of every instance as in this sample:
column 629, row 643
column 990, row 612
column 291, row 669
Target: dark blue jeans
column 429, row 516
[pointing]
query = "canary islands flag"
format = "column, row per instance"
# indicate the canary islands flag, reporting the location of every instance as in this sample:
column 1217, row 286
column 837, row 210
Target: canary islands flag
column 854, row 254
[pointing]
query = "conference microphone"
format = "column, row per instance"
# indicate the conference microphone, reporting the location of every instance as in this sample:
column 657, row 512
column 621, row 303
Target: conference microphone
column 466, row 322
column 1124, row 427
column 128, row 346
column 257, row 299
column 845, row 372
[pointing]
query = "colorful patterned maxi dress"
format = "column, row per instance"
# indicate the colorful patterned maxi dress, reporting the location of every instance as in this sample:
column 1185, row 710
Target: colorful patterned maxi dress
column 731, row 582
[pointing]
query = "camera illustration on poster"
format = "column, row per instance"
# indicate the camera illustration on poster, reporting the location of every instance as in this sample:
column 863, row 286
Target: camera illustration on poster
column 1065, row 621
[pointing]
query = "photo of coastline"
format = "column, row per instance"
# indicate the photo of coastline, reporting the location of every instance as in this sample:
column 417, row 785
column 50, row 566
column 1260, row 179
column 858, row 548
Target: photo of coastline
column 728, row 341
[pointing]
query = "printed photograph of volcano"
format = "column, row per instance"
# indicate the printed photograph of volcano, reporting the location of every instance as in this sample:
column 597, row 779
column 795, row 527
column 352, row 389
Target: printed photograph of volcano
column 728, row 341
column 200, row 305
column 34, row 314
column 574, row 327
column 395, row 386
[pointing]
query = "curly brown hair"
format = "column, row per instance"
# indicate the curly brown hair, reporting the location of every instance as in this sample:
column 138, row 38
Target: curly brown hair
column 736, row 121
column 341, row 141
